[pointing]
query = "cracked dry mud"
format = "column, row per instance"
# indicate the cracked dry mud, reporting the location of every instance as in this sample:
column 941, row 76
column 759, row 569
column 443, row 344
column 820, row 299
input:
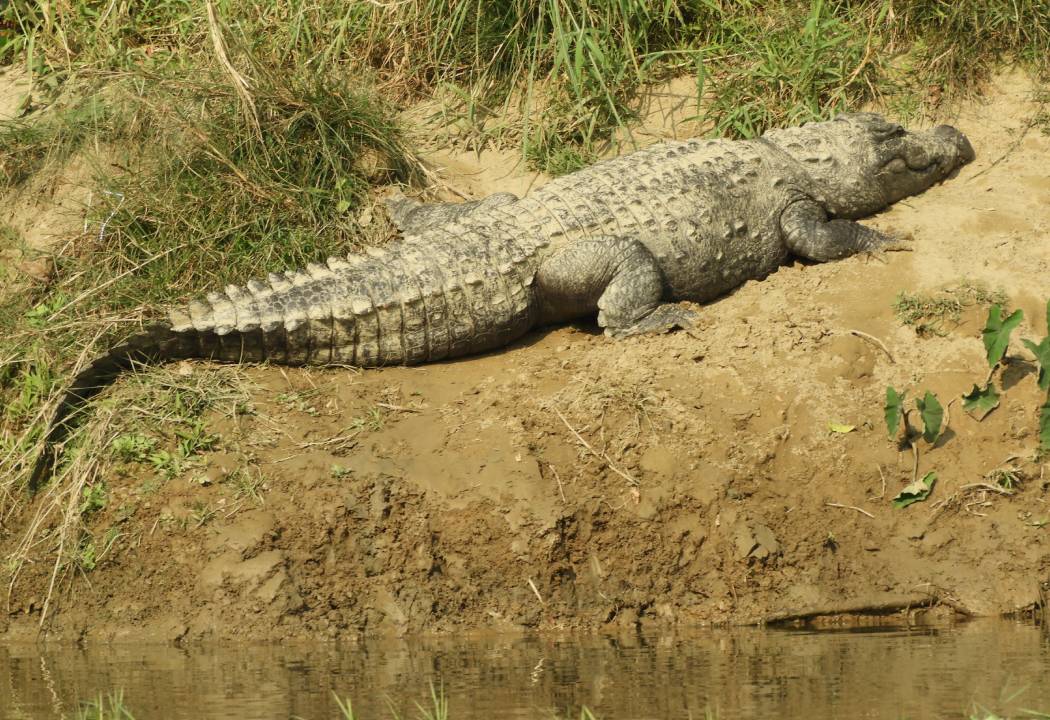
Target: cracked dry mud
column 465, row 500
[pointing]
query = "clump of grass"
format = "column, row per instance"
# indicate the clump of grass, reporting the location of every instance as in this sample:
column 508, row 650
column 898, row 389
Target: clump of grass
column 28, row 145
column 111, row 707
column 787, row 68
column 955, row 45
column 935, row 314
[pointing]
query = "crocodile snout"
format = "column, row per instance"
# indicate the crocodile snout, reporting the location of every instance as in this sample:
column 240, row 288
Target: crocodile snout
column 966, row 153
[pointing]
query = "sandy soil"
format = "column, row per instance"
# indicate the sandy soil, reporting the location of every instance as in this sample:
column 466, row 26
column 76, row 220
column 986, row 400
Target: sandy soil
column 572, row 481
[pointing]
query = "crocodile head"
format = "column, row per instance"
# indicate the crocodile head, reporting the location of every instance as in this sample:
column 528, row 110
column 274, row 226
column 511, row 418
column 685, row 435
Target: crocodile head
column 861, row 163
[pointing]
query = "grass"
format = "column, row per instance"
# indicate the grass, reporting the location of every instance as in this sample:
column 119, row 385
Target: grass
column 111, row 707
column 936, row 313
column 228, row 138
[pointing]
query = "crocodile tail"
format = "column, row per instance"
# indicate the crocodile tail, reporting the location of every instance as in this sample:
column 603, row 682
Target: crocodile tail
column 150, row 346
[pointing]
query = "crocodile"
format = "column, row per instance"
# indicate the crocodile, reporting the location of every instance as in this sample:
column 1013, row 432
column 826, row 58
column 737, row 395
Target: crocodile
column 626, row 238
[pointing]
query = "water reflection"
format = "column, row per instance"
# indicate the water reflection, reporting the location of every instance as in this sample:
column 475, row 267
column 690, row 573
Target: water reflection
column 740, row 673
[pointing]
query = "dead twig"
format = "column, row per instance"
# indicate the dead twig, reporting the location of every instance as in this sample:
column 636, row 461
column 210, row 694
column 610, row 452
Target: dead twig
column 557, row 477
column 399, row 408
column 986, row 486
column 875, row 341
column 601, row 456
column 536, row 591
column 881, row 495
column 850, row 507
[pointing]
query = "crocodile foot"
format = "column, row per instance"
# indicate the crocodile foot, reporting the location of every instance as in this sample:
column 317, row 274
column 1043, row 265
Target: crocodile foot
column 664, row 318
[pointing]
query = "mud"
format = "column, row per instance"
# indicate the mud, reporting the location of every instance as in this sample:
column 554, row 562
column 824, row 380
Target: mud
column 572, row 481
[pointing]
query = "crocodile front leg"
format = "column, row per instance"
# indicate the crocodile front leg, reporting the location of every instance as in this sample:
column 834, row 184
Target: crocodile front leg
column 809, row 234
column 618, row 277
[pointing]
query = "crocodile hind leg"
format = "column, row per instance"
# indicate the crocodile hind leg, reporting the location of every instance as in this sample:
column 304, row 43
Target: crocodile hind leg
column 618, row 277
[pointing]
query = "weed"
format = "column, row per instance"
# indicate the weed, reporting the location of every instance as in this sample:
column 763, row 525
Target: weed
column 195, row 439
column 109, row 708
column 1007, row 478
column 299, row 400
column 94, row 498
column 248, row 483
column 339, row 472
column 134, row 447
column 85, row 557
column 928, row 313
column 438, row 709
column 796, row 69
column 202, row 513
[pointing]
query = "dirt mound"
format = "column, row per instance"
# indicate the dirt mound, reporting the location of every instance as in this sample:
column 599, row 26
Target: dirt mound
column 574, row 481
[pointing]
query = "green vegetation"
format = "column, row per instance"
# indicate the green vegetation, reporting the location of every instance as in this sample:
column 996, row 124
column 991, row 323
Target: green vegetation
column 110, row 707
column 978, row 403
column 936, row 313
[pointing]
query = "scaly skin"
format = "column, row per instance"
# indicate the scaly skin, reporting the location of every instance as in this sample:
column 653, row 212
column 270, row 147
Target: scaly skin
column 624, row 238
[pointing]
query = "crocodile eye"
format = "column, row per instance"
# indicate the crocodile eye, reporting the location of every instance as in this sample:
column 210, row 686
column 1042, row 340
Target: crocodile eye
column 896, row 165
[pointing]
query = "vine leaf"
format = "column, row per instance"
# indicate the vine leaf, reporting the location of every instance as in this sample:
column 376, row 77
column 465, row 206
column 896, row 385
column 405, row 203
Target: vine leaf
column 894, row 411
column 996, row 334
column 1042, row 356
column 980, row 401
column 916, row 491
column 932, row 414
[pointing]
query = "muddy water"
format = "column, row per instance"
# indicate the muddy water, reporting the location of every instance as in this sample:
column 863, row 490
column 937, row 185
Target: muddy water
column 884, row 673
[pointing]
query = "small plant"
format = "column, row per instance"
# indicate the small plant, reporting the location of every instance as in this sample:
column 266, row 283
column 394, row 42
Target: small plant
column 930, row 313
column 195, row 439
column 85, row 558
column 339, row 472
column 248, row 484
column 982, row 399
column 930, row 410
column 202, row 513
column 438, row 709
column 134, row 447
column 93, row 498
column 915, row 492
column 345, row 707
column 1005, row 478
column 109, row 708
column 37, row 316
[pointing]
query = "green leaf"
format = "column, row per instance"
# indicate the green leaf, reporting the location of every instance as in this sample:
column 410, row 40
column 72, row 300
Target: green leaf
column 342, row 206
column 1048, row 318
column 894, row 411
column 841, row 428
column 1044, row 426
column 981, row 401
column 1042, row 355
column 996, row 334
column 932, row 414
column 916, row 491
